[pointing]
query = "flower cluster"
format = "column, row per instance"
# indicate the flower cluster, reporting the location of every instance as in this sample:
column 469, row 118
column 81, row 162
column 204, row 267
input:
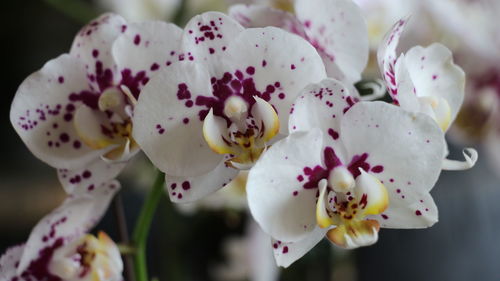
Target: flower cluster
column 262, row 100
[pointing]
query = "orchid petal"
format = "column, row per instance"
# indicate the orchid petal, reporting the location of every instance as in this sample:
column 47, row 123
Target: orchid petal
column 77, row 215
column 169, row 127
column 404, row 151
column 267, row 118
column 434, row 74
column 276, row 196
column 321, row 106
column 215, row 133
column 9, row 261
column 322, row 217
column 370, row 187
column 355, row 235
column 387, row 57
column 337, row 27
column 89, row 177
column 190, row 189
column 88, row 125
column 143, row 49
column 277, row 66
column 43, row 112
column 93, row 45
column 402, row 89
column 470, row 155
column 206, row 38
column 261, row 16
column 287, row 253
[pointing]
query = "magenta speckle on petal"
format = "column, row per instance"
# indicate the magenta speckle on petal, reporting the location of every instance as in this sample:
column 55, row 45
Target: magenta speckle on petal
column 154, row 66
column 186, row 185
column 64, row 137
column 250, row 70
column 137, row 39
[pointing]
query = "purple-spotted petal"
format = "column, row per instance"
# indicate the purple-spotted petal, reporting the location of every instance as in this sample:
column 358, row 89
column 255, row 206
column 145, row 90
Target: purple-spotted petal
column 262, row 16
column 403, row 90
column 287, row 253
column 435, row 75
column 337, row 28
column 206, row 38
column 77, row 215
column 43, row 111
column 404, row 151
column 9, row 262
column 168, row 123
column 277, row 198
column 322, row 106
column 190, row 189
column 143, row 49
column 90, row 177
column 387, row 57
column 92, row 46
column 274, row 65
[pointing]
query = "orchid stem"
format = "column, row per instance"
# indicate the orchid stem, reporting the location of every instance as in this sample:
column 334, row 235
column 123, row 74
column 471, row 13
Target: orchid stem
column 124, row 247
column 78, row 10
column 143, row 224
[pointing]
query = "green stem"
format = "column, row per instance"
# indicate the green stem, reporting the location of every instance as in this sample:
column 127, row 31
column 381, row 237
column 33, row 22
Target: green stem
column 78, row 10
column 143, row 224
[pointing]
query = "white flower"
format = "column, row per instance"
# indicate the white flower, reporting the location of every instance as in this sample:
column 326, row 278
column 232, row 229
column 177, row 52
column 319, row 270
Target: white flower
column 347, row 169
column 75, row 113
column 336, row 28
column 213, row 113
column 59, row 248
column 425, row 80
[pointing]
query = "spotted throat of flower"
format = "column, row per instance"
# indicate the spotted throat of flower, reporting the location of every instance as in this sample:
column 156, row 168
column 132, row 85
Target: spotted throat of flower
column 109, row 126
column 243, row 131
column 88, row 258
column 345, row 203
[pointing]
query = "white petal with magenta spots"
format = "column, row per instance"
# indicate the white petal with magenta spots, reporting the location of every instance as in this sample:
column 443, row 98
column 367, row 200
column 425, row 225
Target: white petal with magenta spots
column 337, row 28
column 92, row 45
column 287, row 253
column 274, row 65
column 43, row 113
column 277, row 198
column 434, row 74
column 189, row 189
column 143, row 49
column 77, row 215
column 168, row 123
column 404, row 151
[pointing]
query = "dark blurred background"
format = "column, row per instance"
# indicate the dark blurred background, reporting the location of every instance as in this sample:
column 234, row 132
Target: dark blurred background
column 464, row 245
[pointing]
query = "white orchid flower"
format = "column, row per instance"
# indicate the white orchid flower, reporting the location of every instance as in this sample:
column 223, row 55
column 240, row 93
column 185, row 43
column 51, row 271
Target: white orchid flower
column 203, row 119
column 346, row 170
column 75, row 113
column 336, row 28
column 59, row 248
column 425, row 79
